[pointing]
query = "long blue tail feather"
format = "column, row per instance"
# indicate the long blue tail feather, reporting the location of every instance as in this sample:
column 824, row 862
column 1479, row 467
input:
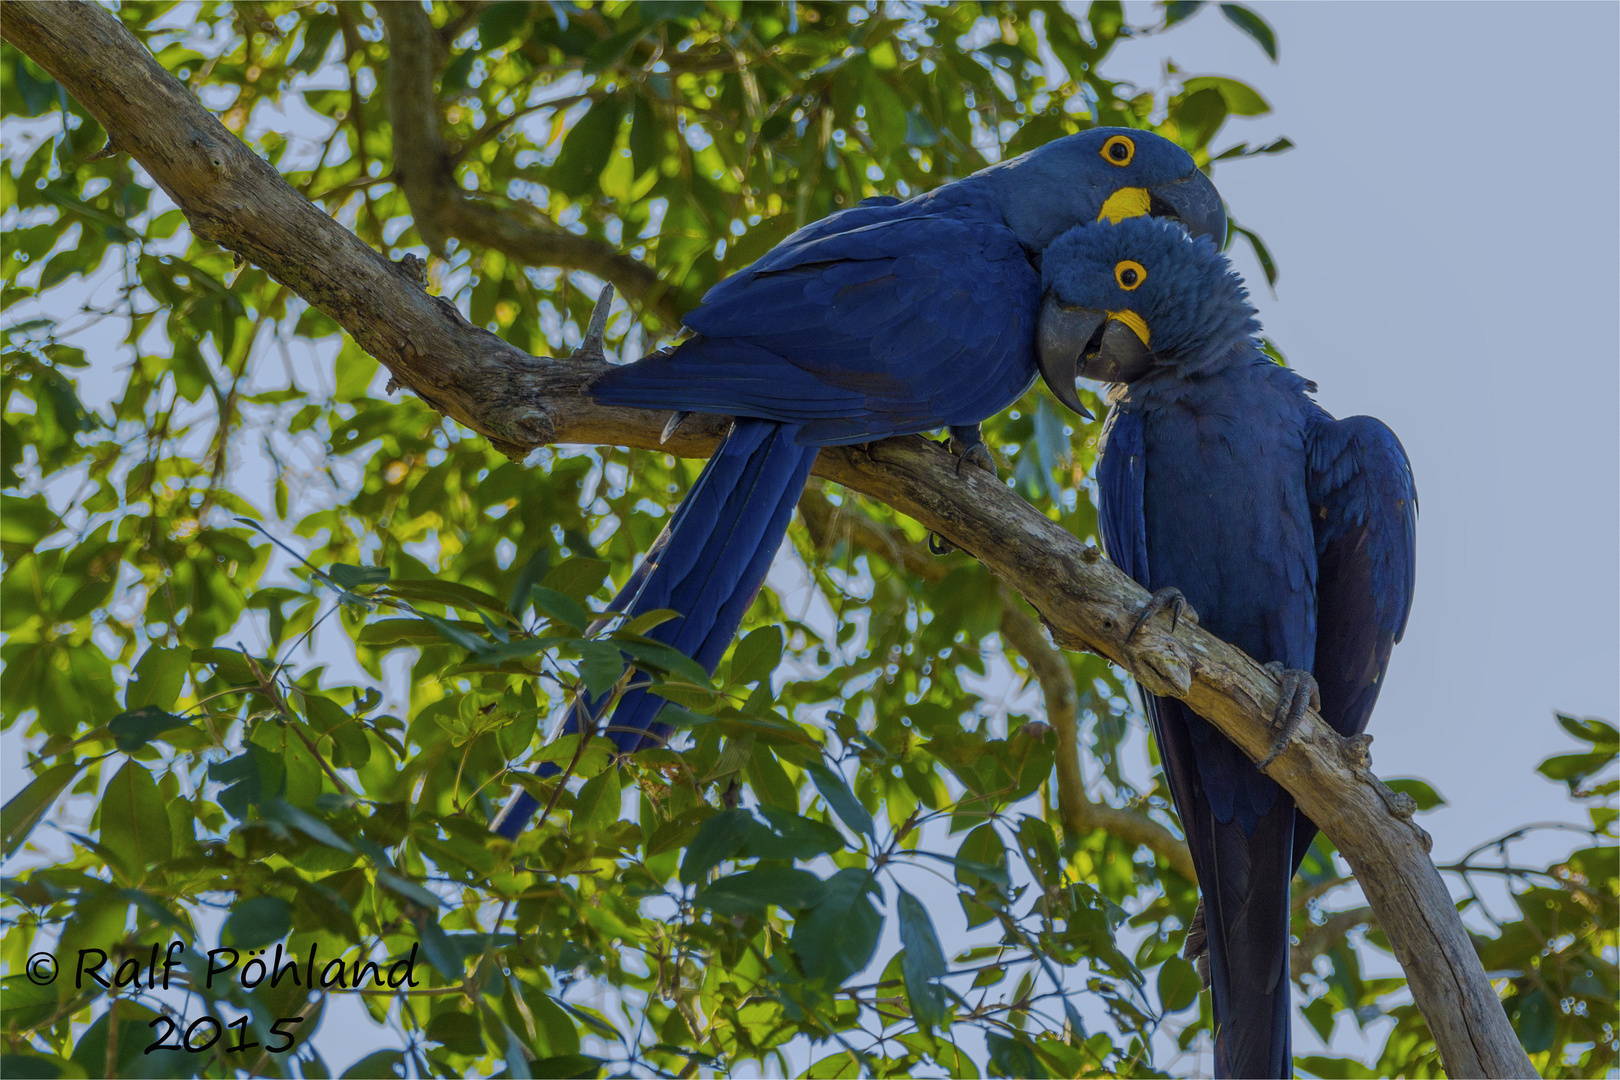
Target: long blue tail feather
column 708, row 565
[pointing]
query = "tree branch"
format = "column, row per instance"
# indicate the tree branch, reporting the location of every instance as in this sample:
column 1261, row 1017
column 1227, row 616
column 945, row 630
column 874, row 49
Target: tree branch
column 1080, row 814
column 233, row 198
column 442, row 210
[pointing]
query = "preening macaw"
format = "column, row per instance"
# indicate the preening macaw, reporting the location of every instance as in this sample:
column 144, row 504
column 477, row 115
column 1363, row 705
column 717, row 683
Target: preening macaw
column 1223, row 486
column 889, row 318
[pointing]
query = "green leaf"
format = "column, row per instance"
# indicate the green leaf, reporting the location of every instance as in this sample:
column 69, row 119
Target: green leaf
column 561, row 608
column 586, row 148
column 1537, row 1023
column 579, row 577
column 517, row 1062
column 1241, row 98
column 134, row 729
column 720, row 837
column 598, row 754
column 1253, row 25
column 387, row 1063
column 1601, row 734
column 502, row 22
column 24, row 809
column 350, row 576
column 1320, row 1014
column 1334, row 1068
column 318, row 34
column 251, row 775
column 600, row 666
column 663, row 659
column 840, row 934
column 1178, row 985
column 792, row 836
column 646, row 140
column 39, row 93
column 159, row 675
column 983, row 854
column 597, row 805
column 408, row 889
column 920, row 131
column 445, row 955
column 26, row 522
column 450, row 593
column 841, row 799
column 1573, row 769
column 306, row 823
column 1177, row 10
column 134, row 820
column 1013, row 1057
column 1036, row 131
column 756, row 655
column 255, row 923
column 1268, row 266
column 1425, row 796
column 921, row 962
column 749, row 892
column 649, row 620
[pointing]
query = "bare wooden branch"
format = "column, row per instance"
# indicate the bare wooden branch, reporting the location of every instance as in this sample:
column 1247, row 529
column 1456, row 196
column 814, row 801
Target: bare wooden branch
column 233, row 198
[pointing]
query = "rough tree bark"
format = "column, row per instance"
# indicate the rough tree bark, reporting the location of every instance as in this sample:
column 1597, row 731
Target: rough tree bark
column 233, row 198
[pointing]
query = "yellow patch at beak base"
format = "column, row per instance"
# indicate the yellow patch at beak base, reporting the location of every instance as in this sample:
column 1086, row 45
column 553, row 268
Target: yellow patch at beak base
column 1131, row 319
column 1127, row 202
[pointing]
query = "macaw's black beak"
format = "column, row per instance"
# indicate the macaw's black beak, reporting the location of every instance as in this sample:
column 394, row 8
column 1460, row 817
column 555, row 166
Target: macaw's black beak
column 1072, row 342
column 1194, row 202
column 1061, row 340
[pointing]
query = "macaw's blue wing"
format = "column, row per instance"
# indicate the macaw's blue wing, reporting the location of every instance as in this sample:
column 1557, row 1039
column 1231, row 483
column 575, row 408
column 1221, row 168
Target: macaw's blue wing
column 885, row 328
column 1364, row 510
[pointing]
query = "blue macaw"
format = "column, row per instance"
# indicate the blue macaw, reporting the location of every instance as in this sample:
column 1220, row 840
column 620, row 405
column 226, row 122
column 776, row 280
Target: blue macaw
column 889, row 318
column 1224, row 487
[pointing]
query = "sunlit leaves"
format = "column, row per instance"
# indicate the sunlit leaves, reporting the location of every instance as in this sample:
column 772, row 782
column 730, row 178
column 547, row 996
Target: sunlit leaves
column 135, row 830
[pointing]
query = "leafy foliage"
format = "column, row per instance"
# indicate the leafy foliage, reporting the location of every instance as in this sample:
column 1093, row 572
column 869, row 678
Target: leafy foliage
column 281, row 644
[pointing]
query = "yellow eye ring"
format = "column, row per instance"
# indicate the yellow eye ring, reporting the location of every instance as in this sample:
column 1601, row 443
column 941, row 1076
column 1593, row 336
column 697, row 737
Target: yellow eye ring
column 1129, row 273
column 1118, row 150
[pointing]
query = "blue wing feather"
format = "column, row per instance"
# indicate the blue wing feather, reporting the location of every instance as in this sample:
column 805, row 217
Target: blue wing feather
column 1364, row 511
column 890, row 327
column 1121, row 466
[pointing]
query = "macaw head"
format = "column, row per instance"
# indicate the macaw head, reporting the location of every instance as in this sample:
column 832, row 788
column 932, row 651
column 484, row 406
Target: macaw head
column 1123, row 300
column 1105, row 174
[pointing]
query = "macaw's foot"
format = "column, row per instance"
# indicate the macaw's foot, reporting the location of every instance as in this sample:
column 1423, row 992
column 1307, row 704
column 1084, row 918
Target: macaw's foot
column 1299, row 692
column 968, row 444
column 1170, row 600
column 1197, row 947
